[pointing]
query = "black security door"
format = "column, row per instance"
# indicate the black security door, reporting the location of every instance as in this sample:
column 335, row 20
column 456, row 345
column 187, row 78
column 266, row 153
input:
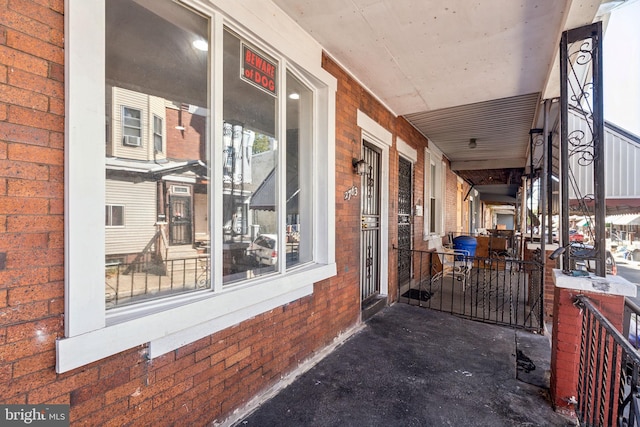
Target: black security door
column 370, row 226
column 405, row 192
column 180, row 220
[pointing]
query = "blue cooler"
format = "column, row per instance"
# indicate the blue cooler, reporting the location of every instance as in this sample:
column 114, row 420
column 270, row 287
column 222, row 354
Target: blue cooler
column 466, row 243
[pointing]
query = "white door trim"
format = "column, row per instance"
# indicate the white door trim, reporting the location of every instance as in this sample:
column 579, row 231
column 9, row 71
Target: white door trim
column 382, row 139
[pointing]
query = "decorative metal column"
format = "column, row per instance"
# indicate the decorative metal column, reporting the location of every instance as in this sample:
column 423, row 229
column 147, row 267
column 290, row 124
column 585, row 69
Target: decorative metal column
column 581, row 91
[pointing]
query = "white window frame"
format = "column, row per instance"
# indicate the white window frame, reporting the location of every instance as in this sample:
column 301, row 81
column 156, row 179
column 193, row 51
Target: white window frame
column 111, row 206
column 91, row 333
column 433, row 158
column 157, row 132
column 126, row 126
column 379, row 137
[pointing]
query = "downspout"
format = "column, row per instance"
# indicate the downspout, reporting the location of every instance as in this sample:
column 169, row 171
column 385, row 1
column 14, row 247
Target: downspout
column 543, row 183
column 598, row 151
column 550, row 176
column 523, row 217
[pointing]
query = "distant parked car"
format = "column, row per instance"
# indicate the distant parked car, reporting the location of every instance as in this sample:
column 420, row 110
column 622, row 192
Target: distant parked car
column 633, row 331
column 576, row 236
column 263, row 249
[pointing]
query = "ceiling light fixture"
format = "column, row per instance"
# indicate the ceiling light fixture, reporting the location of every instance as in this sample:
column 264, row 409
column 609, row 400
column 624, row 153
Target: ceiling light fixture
column 472, row 143
column 201, row 45
column 294, row 96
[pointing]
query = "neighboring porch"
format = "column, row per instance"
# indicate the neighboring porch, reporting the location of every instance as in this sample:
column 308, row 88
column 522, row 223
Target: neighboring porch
column 498, row 282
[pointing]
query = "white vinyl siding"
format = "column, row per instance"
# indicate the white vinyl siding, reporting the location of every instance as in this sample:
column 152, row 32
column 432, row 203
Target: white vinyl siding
column 148, row 106
column 139, row 224
column 621, row 155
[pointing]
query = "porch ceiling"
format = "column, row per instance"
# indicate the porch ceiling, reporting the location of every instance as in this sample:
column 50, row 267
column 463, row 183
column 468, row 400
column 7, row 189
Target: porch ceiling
column 455, row 69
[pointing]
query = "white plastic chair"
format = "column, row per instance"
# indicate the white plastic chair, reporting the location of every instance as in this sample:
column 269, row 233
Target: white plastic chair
column 455, row 262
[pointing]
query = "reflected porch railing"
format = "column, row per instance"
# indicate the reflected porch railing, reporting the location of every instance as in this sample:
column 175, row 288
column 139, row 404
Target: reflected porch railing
column 126, row 283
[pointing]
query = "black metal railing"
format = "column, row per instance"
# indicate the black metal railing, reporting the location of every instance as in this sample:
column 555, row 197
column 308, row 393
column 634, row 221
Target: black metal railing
column 608, row 392
column 126, row 283
column 630, row 324
column 499, row 290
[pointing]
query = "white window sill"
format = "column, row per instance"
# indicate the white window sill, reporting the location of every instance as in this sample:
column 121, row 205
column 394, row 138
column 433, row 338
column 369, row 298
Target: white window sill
column 166, row 327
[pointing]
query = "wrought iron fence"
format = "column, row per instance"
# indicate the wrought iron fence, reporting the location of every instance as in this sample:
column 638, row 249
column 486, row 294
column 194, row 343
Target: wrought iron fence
column 608, row 392
column 499, row 290
column 127, row 283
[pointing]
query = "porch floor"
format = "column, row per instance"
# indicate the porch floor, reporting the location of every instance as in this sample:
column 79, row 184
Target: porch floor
column 411, row 366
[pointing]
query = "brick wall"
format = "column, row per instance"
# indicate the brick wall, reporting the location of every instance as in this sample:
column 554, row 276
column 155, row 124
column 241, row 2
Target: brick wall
column 565, row 346
column 548, row 290
column 349, row 99
column 31, row 198
column 450, row 202
column 191, row 138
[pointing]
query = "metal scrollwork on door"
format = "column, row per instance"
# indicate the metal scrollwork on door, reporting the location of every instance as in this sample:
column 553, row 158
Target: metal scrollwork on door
column 405, row 176
column 369, row 262
column 370, row 225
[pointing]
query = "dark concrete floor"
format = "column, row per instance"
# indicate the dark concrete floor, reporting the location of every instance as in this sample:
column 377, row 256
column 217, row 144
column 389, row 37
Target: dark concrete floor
column 412, row 366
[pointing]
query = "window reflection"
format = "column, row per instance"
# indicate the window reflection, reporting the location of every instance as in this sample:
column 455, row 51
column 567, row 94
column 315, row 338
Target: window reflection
column 250, row 160
column 299, row 170
column 158, row 180
column 156, row 151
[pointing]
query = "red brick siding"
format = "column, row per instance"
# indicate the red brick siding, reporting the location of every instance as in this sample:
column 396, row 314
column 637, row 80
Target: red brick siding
column 565, row 348
column 450, row 202
column 349, row 99
column 190, row 145
column 548, row 284
column 31, row 198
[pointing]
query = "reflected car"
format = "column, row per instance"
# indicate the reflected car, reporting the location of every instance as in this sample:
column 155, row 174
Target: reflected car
column 576, row 236
column 263, row 250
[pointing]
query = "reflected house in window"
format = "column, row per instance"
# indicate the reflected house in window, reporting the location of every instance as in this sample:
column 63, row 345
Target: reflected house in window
column 263, row 200
column 161, row 178
column 162, row 139
column 162, row 181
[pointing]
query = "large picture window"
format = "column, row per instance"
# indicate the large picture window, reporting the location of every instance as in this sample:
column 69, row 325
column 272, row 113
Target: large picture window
column 229, row 195
column 162, row 257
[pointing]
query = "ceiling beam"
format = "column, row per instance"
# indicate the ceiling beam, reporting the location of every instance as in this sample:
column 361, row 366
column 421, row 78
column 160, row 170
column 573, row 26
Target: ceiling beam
column 498, row 198
column 488, row 164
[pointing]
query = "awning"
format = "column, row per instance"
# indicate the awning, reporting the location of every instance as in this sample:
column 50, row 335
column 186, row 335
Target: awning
column 623, row 219
column 580, row 221
column 264, row 198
